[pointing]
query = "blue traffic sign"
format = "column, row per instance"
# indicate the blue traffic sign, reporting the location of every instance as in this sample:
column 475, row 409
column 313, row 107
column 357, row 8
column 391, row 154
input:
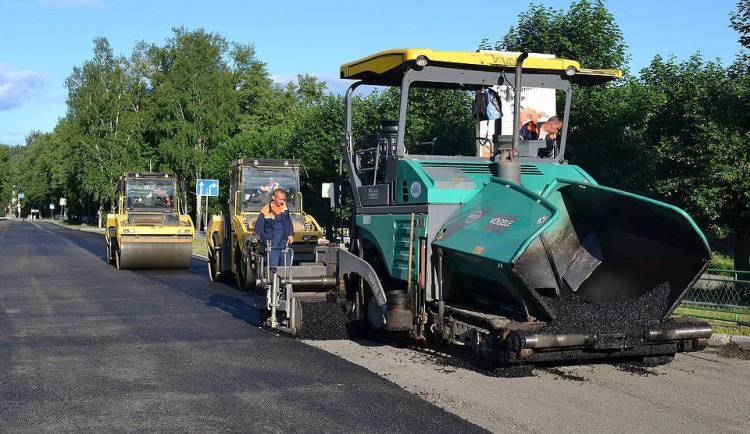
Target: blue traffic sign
column 207, row 187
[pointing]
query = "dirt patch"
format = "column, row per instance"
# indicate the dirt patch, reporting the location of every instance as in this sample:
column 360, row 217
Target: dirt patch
column 564, row 375
column 731, row 350
column 450, row 361
column 641, row 369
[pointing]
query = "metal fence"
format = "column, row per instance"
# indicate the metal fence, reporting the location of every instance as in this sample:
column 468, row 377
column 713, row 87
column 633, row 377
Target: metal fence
column 722, row 296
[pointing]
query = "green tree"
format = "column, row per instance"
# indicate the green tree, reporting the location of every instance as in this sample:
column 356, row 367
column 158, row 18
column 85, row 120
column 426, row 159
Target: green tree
column 604, row 120
column 35, row 170
column 269, row 142
column 317, row 142
column 256, row 92
column 607, row 136
column 106, row 121
column 587, row 33
column 703, row 160
column 309, row 129
column 740, row 22
column 194, row 101
column 6, row 180
column 310, row 91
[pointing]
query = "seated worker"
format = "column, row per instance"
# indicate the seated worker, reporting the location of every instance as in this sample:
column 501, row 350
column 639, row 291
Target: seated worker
column 275, row 224
column 162, row 196
column 270, row 187
column 546, row 131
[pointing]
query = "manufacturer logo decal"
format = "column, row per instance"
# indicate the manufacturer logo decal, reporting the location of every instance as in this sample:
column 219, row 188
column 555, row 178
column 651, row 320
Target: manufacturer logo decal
column 476, row 215
column 415, row 189
column 451, row 228
column 499, row 223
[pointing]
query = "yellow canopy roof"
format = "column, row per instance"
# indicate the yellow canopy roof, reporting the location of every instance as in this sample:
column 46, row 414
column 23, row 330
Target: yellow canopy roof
column 388, row 66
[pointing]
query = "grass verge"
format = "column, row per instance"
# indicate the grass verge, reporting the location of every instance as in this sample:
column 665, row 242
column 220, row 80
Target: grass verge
column 199, row 246
column 725, row 322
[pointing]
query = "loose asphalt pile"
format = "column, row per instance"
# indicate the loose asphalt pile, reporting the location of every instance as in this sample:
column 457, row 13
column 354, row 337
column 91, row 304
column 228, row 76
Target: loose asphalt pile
column 574, row 315
column 324, row 320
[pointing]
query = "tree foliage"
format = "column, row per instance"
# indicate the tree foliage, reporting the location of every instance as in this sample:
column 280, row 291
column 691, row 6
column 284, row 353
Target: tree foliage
column 194, row 104
column 35, row 170
column 677, row 132
column 6, row 179
column 702, row 157
column 104, row 110
column 587, row 33
column 740, row 22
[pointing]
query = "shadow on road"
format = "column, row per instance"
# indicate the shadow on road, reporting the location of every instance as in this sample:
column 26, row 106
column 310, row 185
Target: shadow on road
column 236, row 307
column 193, row 282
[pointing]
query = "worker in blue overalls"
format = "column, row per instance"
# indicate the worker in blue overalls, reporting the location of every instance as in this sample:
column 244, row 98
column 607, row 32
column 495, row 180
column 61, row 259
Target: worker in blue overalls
column 274, row 223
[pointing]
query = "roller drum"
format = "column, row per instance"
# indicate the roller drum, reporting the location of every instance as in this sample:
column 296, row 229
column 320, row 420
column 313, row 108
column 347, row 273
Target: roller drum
column 152, row 254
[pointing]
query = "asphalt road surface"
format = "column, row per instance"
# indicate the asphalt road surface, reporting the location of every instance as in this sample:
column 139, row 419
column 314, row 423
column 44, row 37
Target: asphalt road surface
column 88, row 348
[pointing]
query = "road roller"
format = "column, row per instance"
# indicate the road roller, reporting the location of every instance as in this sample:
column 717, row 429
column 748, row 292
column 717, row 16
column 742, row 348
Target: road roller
column 235, row 250
column 147, row 228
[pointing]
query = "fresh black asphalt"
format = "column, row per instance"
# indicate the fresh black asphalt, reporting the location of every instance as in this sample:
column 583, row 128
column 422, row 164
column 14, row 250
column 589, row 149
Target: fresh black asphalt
column 85, row 347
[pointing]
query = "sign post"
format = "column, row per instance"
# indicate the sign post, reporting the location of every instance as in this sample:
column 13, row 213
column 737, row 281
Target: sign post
column 205, row 187
column 63, row 202
column 20, row 196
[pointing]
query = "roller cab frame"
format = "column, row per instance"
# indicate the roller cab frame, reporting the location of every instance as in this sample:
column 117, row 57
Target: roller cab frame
column 147, row 228
column 235, row 250
column 513, row 253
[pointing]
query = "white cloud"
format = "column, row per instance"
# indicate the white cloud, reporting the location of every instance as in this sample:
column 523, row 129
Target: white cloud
column 19, row 87
column 283, row 79
column 335, row 85
column 12, row 138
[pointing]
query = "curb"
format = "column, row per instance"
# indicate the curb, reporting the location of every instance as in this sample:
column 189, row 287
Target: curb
column 720, row 340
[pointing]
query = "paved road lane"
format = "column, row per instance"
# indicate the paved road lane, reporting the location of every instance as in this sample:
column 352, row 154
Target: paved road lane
column 87, row 348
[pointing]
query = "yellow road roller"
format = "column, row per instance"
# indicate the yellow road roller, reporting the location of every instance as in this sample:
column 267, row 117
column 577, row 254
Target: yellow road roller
column 147, row 229
column 232, row 245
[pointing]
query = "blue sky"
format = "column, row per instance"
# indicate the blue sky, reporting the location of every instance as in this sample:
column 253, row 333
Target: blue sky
column 43, row 40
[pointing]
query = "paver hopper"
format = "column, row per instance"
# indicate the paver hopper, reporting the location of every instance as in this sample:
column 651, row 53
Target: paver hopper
column 591, row 266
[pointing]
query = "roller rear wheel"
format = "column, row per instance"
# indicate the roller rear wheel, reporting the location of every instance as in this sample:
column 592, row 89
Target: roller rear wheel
column 245, row 275
column 213, row 267
column 110, row 256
